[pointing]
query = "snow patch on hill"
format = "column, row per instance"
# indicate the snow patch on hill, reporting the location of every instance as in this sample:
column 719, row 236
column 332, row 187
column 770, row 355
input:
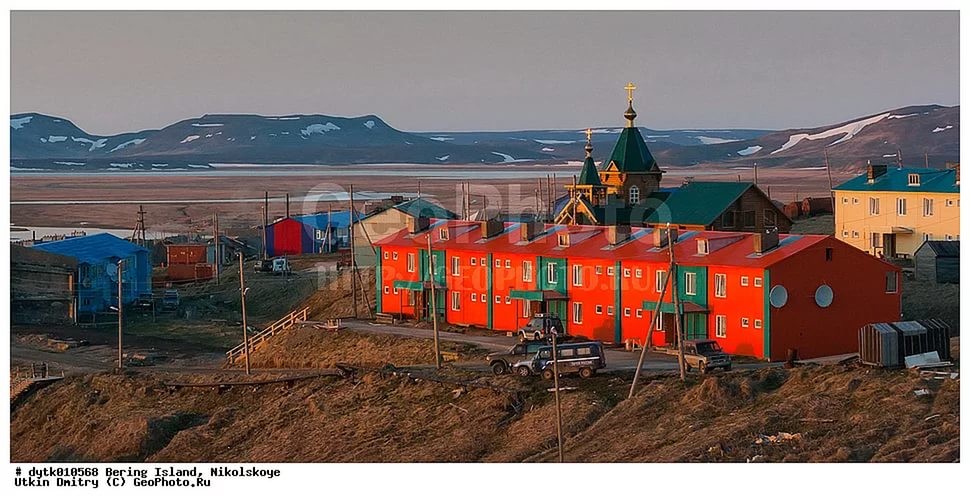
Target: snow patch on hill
column 710, row 140
column 847, row 131
column 441, row 138
column 555, row 142
column 319, row 128
column 53, row 139
column 95, row 144
column 136, row 141
column 750, row 150
column 207, row 124
column 20, row 122
column 190, row 138
column 369, row 124
column 940, row 129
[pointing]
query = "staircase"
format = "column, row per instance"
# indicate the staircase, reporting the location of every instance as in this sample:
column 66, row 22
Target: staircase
column 237, row 353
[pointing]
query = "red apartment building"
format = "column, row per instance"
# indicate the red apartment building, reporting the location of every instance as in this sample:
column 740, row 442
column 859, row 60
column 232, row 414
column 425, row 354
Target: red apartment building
column 756, row 294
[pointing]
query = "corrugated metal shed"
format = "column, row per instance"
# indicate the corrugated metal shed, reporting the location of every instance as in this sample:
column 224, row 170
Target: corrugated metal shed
column 92, row 249
column 938, row 261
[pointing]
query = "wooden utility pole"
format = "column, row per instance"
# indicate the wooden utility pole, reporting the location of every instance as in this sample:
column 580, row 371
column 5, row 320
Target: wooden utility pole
column 138, row 235
column 265, row 223
column 242, row 296
column 648, row 342
column 434, row 305
column 756, row 174
column 555, row 382
column 121, row 303
column 926, row 159
column 676, row 300
column 353, row 255
column 215, row 243
column 828, row 170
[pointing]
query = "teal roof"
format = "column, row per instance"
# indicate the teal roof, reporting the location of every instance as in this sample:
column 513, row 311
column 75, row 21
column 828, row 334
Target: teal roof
column 420, row 207
column 589, row 175
column 897, row 180
column 697, row 203
column 631, row 154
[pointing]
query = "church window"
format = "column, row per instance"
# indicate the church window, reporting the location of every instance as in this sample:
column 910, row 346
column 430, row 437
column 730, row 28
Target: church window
column 634, row 194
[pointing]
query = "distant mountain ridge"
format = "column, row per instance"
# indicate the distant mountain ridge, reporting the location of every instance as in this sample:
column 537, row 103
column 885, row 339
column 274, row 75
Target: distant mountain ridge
column 48, row 142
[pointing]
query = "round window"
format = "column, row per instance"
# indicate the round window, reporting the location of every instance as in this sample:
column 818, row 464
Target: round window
column 824, row 296
column 778, row 296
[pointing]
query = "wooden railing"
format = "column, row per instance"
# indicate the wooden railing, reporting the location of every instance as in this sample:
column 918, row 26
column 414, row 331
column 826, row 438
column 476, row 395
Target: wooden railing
column 257, row 340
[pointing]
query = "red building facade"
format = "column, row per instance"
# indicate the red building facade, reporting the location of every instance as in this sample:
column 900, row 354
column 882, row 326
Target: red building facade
column 756, row 294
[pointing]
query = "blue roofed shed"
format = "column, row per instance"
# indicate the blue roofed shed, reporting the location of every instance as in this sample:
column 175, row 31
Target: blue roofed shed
column 97, row 256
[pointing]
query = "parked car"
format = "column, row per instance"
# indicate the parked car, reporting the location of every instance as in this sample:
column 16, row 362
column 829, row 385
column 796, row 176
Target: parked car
column 281, row 265
column 584, row 358
column 701, row 354
column 263, row 266
column 502, row 361
column 541, row 327
column 170, row 300
column 144, row 301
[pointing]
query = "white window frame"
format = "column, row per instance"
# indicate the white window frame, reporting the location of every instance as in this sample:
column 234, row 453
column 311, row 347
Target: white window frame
column 660, row 279
column 599, row 309
column 927, row 206
column 474, row 297
column 508, row 299
column 638, row 272
column 690, row 283
column 394, row 256
column 609, row 310
column 744, row 281
column 395, row 290
column 456, row 301
column 599, row 270
column 527, row 271
column 874, row 205
column 577, row 275
column 658, row 322
column 720, row 326
column 627, row 312
column 498, row 263
column 609, row 271
column 639, row 313
column 634, row 195
column 745, row 323
column 551, row 276
column 526, row 309
column 387, row 290
column 508, row 264
column 498, row 299
column 473, row 261
column 913, row 180
column 757, row 323
column 720, row 285
column 386, row 254
column 578, row 313
column 901, row 206
column 411, row 262
column 626, row 272
column 456, row 266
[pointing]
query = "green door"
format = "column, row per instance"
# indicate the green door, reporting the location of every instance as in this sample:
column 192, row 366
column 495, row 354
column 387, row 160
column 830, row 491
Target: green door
column 695, row 326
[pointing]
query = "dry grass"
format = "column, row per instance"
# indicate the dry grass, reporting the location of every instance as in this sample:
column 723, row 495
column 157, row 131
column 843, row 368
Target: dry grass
column 838, row 414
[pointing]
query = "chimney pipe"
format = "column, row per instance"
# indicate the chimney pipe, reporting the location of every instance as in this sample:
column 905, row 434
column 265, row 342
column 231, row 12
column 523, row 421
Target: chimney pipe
column 492, row 227
column 529, row 230
column 616, row 234
column 766, row 240
column 660, row 236
column 875, row 171
column 287, row 205
column 418, row 224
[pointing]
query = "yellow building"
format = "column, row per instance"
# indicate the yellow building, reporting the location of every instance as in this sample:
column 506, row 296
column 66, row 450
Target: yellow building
column 891, row 211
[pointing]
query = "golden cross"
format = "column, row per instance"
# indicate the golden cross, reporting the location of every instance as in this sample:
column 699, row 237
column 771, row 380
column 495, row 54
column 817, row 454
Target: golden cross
column 629, row 91
column 589, row 135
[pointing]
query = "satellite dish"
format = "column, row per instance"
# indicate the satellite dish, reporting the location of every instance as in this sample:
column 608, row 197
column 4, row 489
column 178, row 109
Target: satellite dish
column 778, row 296
column 824, row 296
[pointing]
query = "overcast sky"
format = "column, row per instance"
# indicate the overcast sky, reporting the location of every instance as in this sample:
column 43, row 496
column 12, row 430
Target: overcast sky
column 112, row 72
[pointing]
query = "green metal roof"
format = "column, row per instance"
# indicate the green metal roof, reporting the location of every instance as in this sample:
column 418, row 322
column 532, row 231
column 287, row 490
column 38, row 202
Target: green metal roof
column 631, row 154
column 697, row 203
column 420, row 207
column 589, row 175
column 897, row 180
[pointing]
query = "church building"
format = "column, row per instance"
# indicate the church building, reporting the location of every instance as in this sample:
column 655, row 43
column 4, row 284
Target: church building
column 626, row 190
